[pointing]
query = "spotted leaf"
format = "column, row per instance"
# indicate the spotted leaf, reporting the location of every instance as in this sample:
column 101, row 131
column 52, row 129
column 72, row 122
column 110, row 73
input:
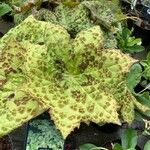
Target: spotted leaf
column 42, row 67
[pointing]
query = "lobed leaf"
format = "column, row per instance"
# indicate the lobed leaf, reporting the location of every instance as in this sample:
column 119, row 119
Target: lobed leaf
column 42, row 67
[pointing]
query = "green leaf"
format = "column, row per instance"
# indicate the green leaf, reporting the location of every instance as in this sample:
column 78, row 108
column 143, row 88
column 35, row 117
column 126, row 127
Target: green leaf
column 117, row 147
column 147, row 145
column 148, row 58
column 134, row 76
column 138, row 116
column 135, row 48
column 133, row 41
column 126, row 33
column 144, row 98
column 87, row 146
column 127, row 42
column 129, row 139
column 4, row 8
column 146, row 73
column 144, row 63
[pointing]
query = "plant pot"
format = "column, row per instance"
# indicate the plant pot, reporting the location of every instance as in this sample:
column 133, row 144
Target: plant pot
column 18, row 137
column 142, row 139
column 6, row 143
column 103, row 136
column 94, row 134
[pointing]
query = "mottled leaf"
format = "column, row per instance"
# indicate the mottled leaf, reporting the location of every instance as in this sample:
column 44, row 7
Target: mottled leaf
column 43, row 67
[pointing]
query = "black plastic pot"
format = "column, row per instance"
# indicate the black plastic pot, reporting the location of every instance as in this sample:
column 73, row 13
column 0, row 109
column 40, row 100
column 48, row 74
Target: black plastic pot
column 94, row 134
column 103, row 136
column 18, row 137
column 6, row 143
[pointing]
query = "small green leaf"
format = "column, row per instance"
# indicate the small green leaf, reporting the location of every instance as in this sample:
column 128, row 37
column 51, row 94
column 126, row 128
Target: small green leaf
column 135, row 48
column 117, row 147
column 148, row 58
column 127, row 42
column 144, row 63
column 146, row 73
column 133, row 41
column 129, row 139
column 4, row 8
column 138, row 116
column 147, row 145
column 87, row 146
column 134, row 76
column 126, row 33
column 144, row 98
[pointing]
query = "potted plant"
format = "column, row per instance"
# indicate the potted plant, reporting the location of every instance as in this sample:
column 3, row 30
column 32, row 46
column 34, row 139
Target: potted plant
column 68, row 63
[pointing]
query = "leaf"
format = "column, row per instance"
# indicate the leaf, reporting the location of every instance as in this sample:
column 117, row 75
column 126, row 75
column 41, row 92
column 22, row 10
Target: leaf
column 104, row 14
column 134, row 76
column 87, row 147
column 146, row 65
column 117, row 147
column 148, row 58
column 147, row 145
column 4, row 9
column 133, row 41
column 127, row 42
column 15, row 108
column 146, row 73
column 126, row 33
column 144, row 98
column 135, row 48
column 129, row 139
column 73, row 19
column 75, row 79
